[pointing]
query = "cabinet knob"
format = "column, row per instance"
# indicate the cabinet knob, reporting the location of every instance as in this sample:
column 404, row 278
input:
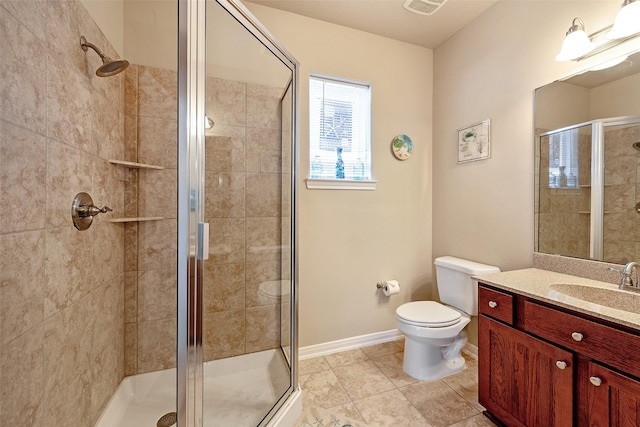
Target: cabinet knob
column 561, row 364
column 577, row 336
column 493, row 304
column 595, row 381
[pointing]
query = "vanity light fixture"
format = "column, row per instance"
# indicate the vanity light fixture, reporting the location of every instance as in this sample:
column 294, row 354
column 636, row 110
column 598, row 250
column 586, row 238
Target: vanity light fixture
column 576, row 43
column 627, row 20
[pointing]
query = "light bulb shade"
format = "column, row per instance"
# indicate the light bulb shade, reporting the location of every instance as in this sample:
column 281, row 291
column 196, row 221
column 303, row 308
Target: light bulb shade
column 575, row 45
column 627, row 21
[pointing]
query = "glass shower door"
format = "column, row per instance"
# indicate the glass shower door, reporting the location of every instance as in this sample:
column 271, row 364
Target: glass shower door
column 242, row 311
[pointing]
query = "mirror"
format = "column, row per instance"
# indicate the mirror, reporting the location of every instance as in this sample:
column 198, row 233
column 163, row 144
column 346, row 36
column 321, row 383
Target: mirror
column 587, row 136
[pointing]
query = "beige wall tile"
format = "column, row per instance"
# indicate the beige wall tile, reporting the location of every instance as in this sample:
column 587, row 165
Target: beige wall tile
column 263, row 239
column 23, row 157
column 157, row 92
column 157, row 293
column 67, row 366
column 22, row 380
column 224, row 334
column 158, row 193
column 157, row 244
column 68, row 173
column 131, row 246
column 68, row 268
column 107, row 127
column 263, row 328
column 21, row 283
column 69, row 105
column 156, row 345
column 259, row 274
column 222, row 104
column 224, row 195
column 131, row 138
column 23, row 87
column 131, row 90
column 263, row 106
column 263, row 194
column 131, row 349
column 130, row 297
column 224, row 287
column 157, row 141
column 30, row 13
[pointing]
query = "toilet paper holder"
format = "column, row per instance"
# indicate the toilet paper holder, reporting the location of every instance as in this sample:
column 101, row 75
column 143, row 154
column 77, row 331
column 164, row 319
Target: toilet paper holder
column 380, row 285
column 388, row 287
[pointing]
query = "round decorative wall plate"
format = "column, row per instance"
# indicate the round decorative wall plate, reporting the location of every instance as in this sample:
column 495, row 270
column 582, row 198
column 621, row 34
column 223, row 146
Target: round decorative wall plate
column 402, row 147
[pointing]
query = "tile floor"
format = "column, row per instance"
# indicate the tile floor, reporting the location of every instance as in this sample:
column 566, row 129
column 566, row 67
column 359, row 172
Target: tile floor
column 367, row 387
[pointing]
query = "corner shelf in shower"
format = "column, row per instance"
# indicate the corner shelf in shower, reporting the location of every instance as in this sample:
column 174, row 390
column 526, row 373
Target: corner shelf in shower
column 134, row 165
column 138, row 219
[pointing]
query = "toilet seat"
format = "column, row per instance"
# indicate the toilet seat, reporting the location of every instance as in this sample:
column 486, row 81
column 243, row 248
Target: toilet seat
column 428, row 314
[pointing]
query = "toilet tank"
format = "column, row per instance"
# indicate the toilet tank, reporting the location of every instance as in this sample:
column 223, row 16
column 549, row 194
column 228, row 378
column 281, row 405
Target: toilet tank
column 455, row 285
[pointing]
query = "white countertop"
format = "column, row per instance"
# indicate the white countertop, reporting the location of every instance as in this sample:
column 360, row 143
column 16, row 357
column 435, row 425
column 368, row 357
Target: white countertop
column 536, row 283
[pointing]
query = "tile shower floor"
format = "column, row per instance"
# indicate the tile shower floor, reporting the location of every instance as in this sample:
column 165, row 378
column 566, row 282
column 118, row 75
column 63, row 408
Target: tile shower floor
column 367, row 387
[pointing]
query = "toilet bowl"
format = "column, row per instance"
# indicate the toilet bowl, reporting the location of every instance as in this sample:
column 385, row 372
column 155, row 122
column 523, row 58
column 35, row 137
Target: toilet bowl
column 433, row 339
column 434, row 335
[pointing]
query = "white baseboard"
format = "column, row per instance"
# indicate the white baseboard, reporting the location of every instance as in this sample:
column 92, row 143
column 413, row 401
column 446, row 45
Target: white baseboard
column 364, row 341
column 348, row 344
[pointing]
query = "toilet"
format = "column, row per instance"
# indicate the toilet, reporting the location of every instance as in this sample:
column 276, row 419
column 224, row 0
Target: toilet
column 434, row 335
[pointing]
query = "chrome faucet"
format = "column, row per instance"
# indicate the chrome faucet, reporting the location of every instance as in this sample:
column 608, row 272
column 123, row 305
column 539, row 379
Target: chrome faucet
column 627, row 280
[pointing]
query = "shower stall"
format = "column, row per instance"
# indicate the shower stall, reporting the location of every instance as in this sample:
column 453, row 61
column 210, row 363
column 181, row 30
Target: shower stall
column 178, row 305
column 587, row 193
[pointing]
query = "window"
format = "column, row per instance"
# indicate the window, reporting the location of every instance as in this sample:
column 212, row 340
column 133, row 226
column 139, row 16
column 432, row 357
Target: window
column 563, row 159
column 340, row 129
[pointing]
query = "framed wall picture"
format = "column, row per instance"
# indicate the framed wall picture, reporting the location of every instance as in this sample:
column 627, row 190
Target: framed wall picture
column 474, row 142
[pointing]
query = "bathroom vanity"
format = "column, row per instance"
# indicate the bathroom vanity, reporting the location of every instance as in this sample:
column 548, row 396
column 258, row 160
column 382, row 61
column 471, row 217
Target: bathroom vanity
column 558, row 350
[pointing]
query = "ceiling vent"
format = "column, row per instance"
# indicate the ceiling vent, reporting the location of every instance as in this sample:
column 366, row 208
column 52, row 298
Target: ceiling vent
column 423, row 7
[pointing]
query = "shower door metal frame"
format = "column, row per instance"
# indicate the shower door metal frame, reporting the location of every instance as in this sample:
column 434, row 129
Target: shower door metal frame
column 191, row 118
column 191, row 158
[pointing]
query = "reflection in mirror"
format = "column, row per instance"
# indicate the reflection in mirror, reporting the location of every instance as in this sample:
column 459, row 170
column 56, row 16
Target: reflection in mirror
column 586, row 130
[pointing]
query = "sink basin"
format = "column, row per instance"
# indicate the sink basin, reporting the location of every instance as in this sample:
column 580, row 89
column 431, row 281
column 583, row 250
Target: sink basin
column 613, row 297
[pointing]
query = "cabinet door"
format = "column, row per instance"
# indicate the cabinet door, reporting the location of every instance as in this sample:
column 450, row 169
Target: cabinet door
column 611, row 399
column 523, row 381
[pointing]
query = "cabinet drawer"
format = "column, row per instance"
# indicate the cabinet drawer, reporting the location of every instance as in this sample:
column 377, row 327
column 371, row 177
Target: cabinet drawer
column 496, row 304
column 603, row 343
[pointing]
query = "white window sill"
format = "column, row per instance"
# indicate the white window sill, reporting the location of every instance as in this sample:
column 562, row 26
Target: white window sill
column 340, row 184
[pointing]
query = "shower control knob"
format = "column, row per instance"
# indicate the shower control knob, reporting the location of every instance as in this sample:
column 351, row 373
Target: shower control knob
column 493, row 304
column 561, row 364
column 83, row 211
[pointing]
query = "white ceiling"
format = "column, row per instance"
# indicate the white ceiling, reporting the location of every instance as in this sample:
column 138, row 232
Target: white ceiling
column 388, row 18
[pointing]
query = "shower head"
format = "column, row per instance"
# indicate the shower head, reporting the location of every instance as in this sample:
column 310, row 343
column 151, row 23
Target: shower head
column 109, row 66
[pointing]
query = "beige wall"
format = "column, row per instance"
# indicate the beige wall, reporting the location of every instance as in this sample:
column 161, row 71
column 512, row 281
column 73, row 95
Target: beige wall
column 484, row 210
column 350, row 240
column 109, row 17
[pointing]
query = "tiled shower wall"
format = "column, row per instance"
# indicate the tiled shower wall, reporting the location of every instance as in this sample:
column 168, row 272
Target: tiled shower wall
column 243, row 206
column 563, row 226
column 61, row 304
column 621, row 193
column 564, row 222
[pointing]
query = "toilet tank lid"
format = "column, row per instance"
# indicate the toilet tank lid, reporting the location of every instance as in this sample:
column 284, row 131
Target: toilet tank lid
column 466, row 266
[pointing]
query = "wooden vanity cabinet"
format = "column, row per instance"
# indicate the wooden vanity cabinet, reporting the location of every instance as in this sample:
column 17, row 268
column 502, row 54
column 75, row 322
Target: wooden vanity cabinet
column 535, row 371
column 523, row 381
column 607, row 398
